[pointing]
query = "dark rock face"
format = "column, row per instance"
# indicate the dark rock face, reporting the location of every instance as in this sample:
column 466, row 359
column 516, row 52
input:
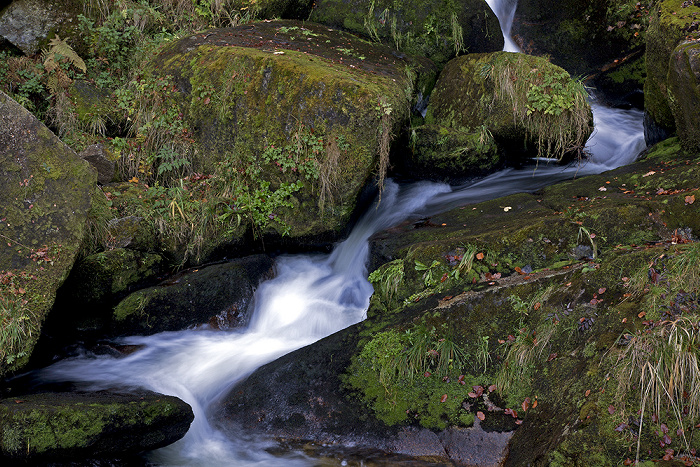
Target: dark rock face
column 218, row 295
column 55, row 426
column 46, row 191
column 436, row 30
column 102, row 161
column 672, row 88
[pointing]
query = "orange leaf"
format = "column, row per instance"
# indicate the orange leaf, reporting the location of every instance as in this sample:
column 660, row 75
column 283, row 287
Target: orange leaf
column 537, row 306
column 526, row 404
column 642, row 314
column 587, row 393
column 534, row 404
column 443, row 398
column 480, row 415
column 479, row 256
column 690, row 199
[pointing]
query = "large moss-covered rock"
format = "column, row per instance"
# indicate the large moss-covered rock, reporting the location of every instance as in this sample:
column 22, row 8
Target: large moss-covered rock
column 523, row 103
column 28, row 24
column 46, row 191
column 535, row 327
column 436, row 30
column 671, row 83
column 684, row 91
column 75, row 426
column 296, row 103
column 217, row 295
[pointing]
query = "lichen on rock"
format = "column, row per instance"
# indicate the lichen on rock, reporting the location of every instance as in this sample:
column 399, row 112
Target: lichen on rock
column 46, row 190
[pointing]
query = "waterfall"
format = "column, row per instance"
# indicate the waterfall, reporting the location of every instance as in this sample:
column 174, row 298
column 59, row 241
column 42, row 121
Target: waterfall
column 311, row 297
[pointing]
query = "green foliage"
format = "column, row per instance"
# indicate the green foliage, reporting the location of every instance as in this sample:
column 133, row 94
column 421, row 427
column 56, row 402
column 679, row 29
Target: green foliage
column 387, row 279
column 554, row 94
column 415, row 375
column 429, row 278
column 17, row 325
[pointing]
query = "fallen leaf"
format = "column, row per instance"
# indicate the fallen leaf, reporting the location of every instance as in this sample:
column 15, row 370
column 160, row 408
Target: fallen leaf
column 611, row 409
column 480, row 415
column 472, row 395
column 479, row 256
column 552, row 356
column 507, row 208
column 690, row 199
column 534, row 404
column 624, row 320
column 518, row 422
column 621, row 427
column 642, row 314
column 587, row 393
column 478, row 390
column 651, row 172
column 601, row 290
column 492, row 388
column 526, row 404
column 426, row 374
column 537, row 306
column 602, row 188
column 443, row 398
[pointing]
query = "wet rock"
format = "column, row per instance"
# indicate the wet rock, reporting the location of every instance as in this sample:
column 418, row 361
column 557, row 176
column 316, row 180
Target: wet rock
column 60, row 426
column 46, row 191
column 218, row 294
column 436, row 30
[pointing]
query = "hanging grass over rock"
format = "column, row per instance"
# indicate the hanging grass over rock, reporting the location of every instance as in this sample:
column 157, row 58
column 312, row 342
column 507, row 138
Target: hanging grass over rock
column 520, row 99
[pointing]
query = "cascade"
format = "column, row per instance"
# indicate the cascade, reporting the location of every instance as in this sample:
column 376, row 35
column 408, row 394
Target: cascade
column 311, row 297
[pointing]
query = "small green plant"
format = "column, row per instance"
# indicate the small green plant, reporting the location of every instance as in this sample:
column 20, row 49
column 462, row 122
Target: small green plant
column 429, row 279
column 483, row 357
column 388, row 278
column 17, row 327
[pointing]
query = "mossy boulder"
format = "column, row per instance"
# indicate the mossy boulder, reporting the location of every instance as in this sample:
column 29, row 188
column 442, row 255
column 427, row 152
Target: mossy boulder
column 29, row 24
column 101, row 425
column 684, row 91
column 304, row 107
column 46, row 191
column 522, row 103
column 521, row 335
column 83, row 307
column 217, row 295
column 671, row 87
column 436, row 30
column 443, row 153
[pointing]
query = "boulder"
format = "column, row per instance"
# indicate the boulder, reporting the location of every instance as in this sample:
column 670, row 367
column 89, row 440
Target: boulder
column 218, row 295
column 522, row 103
column 46, row 191
column 436, row 30
column 684, row 91
column 494, row 327
column 300, row 112
column 75, row 426
column 28, row 24
column 102, row 160
column 671, row 71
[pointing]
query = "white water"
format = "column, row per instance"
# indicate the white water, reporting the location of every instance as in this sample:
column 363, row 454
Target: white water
column 311, row 297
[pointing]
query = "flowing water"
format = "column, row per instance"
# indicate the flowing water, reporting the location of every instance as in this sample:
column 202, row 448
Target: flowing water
column 311, row 297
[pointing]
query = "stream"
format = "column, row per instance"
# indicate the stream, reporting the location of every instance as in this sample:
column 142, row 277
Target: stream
column 313, row 296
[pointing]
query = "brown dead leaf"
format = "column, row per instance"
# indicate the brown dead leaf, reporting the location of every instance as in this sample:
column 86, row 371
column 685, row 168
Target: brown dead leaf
column 690, row 199
column 480, row 415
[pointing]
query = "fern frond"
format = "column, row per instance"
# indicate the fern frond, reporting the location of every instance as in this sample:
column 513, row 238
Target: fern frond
column 60, row 46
